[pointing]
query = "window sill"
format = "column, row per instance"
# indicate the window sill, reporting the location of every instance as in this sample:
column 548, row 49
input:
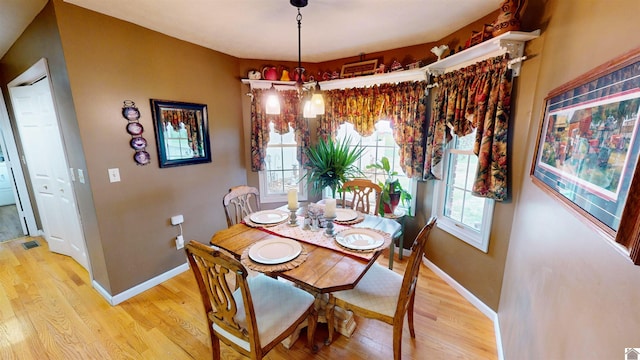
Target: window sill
column 463, row 233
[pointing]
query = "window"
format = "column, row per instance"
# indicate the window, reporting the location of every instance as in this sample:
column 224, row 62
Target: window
column 282, row 170
column 378, row 145
column 461, row 214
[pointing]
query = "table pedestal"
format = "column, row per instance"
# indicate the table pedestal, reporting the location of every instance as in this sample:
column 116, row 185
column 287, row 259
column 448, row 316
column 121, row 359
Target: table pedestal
column 343, row 321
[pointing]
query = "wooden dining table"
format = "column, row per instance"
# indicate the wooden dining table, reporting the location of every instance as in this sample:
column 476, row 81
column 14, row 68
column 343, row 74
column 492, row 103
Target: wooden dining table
column 325, row 270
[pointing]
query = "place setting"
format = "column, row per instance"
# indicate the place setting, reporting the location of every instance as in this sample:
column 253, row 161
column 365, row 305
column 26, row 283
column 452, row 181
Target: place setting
column 266, row 218
column 274, row 254
column 362, row 239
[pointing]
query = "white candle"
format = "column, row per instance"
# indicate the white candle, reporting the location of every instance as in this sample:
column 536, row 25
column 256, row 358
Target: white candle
column 330, row 208
column 292, row 197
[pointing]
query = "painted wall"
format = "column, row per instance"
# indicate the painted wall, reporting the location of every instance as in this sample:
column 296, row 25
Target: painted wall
column 109, row 61
column 567, row 292
column 42, row 40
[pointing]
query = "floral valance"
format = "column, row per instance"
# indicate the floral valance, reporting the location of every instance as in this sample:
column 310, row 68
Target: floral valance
column 290, row 115
column 476, row 97
column 404, row 104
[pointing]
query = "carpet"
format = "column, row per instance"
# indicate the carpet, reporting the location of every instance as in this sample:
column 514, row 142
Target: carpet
column 10, row 227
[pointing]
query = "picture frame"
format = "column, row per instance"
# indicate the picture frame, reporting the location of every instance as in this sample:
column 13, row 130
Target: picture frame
column 182, row 133
column 588, row 145
column 359, row 68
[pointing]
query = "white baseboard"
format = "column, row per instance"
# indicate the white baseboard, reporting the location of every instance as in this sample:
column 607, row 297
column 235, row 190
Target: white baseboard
column 128, row 294
column 487, row 311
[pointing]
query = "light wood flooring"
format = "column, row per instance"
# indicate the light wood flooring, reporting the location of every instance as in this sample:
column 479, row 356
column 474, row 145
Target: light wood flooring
column 48, row 310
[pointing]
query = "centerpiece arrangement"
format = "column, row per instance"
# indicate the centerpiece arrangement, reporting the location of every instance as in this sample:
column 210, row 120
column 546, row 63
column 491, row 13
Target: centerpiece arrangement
column 330, row 163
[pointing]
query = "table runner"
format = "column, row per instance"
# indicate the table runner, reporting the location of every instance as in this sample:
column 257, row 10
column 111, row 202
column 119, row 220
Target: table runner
column 317, row 238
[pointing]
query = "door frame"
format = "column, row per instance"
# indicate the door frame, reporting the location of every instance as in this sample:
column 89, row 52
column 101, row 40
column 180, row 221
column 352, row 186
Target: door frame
column 19, row 183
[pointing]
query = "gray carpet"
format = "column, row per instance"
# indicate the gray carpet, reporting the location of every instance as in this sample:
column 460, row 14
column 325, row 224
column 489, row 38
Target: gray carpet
column 10, row 227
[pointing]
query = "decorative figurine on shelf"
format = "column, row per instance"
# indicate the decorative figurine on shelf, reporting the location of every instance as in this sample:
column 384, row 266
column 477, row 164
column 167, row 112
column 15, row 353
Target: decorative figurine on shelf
column 396, row 66
column 285, row 75
column 270, row 73
column 439, row 50
column 254, row 75
column 380, row 69
column 509, row 17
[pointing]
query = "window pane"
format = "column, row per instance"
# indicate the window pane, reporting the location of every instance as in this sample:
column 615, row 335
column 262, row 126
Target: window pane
column 454, row 203
column 289, row 160
column 273, row 160
column 466, row 142
column 275, row 182
column 471, row 173
column 290, row 179
column 473, row 211
column 459, row 165
column 289, row 138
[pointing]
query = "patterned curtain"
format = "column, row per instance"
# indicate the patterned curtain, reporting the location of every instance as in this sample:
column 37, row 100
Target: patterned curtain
column 404, row 104
column 290, row 114
column 476, row 97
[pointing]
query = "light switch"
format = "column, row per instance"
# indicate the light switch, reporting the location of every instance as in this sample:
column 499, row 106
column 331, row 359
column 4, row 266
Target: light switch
column 114, row 175
column 81, row 176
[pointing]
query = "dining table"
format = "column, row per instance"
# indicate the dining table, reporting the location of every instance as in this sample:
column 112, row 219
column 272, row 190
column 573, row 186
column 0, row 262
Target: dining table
column 323, row 266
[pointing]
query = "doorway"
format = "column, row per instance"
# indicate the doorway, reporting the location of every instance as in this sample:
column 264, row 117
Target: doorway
column 45, row 157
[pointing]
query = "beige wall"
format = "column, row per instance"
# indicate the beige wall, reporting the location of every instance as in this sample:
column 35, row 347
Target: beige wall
column 42, row 40
column 109, row 61
column 567, row 292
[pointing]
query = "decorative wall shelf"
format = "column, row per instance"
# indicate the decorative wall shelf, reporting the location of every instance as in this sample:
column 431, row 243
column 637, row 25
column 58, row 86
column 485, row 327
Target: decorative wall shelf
column 511, row 42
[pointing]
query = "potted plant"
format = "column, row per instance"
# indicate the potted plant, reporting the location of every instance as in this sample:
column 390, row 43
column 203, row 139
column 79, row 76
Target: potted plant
column 330, row 163
column 392, row 191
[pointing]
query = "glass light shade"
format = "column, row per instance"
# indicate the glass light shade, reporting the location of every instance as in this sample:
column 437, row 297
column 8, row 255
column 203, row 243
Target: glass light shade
column 317, row 103
column 307, row 110
column 272, row 107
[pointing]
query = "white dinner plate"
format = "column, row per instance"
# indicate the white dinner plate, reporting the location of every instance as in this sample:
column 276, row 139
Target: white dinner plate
column 359, row 239
column 346, row 215
column 275, row 251
column 268, row 216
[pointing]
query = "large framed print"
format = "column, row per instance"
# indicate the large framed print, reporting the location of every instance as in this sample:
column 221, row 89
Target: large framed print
column 182, row 133
column 588, row 143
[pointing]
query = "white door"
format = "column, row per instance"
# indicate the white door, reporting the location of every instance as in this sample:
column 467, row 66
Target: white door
column 45, row 156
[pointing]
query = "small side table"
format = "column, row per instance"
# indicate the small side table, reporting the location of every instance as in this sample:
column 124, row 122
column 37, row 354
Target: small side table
column 398, row 216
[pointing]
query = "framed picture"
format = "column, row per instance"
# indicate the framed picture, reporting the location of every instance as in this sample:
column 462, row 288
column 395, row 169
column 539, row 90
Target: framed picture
column 360, row 68
column 182, row 133
column 588, row 144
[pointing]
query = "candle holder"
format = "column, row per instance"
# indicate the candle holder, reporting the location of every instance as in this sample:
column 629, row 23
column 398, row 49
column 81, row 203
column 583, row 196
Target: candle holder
column 330, row 231
column 293, row 218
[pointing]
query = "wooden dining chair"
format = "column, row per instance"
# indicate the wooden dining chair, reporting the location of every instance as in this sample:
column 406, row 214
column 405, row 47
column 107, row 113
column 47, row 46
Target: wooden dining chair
column 257, row 316
column 364, row 193
column 239, row 202
column 385, row 295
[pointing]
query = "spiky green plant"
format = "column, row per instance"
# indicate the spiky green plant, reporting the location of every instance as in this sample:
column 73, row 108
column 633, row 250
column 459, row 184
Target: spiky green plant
column 330, row 163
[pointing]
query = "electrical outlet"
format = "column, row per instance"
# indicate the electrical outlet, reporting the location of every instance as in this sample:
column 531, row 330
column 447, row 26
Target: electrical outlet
column 177, row 220
column 179, row 242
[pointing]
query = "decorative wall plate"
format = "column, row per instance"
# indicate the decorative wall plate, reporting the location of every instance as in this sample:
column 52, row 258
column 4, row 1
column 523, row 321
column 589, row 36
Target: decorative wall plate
column 138, row 143
column 134, row 128
column 131, row 113
column 142, row 157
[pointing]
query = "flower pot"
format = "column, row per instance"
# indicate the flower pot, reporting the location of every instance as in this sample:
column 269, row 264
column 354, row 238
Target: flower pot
column 395, row 200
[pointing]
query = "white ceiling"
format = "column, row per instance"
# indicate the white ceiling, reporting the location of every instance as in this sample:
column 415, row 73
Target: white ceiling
column 268, row 30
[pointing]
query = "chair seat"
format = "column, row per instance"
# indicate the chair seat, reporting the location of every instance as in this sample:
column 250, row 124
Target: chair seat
column 268, row 295
column 377, row 291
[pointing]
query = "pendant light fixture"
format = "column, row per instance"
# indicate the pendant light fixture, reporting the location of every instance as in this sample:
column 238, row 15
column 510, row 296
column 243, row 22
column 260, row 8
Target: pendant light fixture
column 272, row 106
column 312, row 105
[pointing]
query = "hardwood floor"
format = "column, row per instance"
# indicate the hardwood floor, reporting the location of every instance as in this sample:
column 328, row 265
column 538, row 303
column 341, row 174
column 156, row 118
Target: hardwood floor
column 48, row 310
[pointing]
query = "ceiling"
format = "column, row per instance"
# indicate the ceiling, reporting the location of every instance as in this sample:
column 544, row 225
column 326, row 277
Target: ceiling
column 267, row 29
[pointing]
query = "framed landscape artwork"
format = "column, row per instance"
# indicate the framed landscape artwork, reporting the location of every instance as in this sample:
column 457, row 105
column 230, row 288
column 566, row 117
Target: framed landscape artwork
column 182, row 133
column 588, row 144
